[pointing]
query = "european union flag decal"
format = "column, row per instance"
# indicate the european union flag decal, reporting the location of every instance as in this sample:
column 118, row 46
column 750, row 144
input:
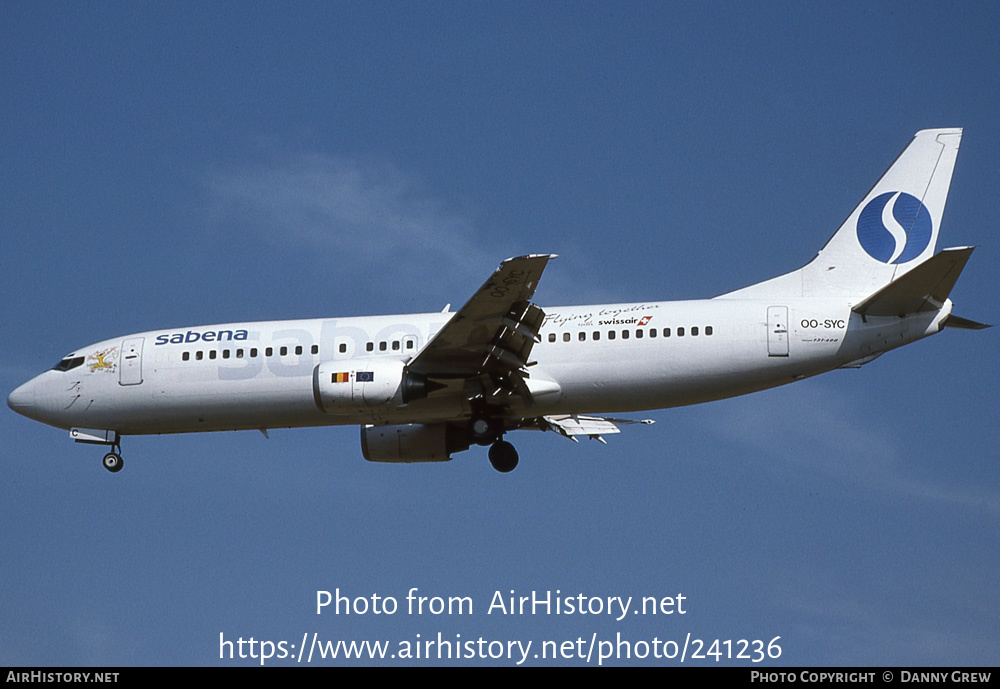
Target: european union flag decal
column 364, row 377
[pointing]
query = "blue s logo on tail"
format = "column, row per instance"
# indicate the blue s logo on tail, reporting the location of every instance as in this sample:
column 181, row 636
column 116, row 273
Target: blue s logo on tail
column 895, row 227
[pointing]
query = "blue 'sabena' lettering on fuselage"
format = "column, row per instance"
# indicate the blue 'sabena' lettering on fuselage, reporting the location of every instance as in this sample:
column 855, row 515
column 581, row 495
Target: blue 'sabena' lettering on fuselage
column 195, row 336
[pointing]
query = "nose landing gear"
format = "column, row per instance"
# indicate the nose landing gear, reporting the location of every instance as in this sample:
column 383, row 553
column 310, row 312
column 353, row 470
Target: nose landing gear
column 96, row 436
column 113, row 460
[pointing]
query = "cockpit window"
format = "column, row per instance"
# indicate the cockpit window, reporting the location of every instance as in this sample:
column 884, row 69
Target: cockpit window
column 68, row 363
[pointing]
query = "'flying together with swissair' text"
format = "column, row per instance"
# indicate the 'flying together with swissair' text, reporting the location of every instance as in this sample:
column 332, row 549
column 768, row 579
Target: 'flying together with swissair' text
column 425, row 386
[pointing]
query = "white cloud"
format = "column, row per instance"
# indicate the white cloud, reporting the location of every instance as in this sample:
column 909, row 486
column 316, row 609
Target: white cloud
column 359, row 215
column 815, row 428
column 363, row 217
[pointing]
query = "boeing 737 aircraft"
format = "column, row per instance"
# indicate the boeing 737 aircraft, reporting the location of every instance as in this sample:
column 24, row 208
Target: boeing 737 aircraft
column 425, row 386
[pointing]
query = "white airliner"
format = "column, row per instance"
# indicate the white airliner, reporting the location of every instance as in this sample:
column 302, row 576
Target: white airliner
column 425, row 386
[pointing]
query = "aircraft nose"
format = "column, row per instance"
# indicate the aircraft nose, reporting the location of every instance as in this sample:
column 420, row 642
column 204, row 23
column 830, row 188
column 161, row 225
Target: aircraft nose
column 22, row 399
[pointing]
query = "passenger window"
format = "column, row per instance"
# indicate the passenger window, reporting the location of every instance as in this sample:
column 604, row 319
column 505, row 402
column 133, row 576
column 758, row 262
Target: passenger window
column 638, row 334
column 212, row 354
column 225, row 353
column 198, row 355
column 382, row 346
column 269, row 351
column 395, row 345
column 652, row 332
column 583, row 336
column 666, row 332
column 298, row 350
column 611, row 334
column 694, row 331
column 624, row 334
column 566, row 337
column 315, row 349
column 186, row 356
column 253, row 353
column 552, row 337
column 343, row 348
column 284, row 351
column 597, row 335
column 370, row 347
column 410, row 344
column 708, row 330
column 680, row 332
column 239, row 353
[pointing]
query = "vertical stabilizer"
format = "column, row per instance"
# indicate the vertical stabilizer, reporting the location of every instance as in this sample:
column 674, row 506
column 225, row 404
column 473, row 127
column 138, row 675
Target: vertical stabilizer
column 895, row 227
column 893, row 230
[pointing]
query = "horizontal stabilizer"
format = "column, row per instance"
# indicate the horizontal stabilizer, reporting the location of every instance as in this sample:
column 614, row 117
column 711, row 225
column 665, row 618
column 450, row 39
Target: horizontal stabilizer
column 953, row 321
column 925, row 288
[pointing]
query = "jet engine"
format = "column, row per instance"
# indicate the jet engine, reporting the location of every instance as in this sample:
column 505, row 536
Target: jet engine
column 434, row 442
column 357, row 385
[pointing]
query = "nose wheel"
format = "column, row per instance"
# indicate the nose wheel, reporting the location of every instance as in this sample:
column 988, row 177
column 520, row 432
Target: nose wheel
column 113, row 460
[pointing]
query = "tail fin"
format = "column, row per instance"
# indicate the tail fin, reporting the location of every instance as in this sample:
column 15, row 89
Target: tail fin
column 895, row 227
column 893, row 230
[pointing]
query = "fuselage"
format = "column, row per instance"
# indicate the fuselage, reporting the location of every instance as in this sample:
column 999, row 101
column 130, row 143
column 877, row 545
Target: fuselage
column 592, row 358
column 425, row 386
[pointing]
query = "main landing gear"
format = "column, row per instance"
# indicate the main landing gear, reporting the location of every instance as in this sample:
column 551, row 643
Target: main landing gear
column 503, row 456
column 487, row 430
column 113, row 460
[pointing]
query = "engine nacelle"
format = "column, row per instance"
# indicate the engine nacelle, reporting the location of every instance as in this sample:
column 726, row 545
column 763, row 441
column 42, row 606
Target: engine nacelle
column 359, row 385
column 415, row 442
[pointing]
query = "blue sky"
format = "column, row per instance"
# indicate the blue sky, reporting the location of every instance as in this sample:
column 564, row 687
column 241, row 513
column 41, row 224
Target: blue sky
column 178, row 164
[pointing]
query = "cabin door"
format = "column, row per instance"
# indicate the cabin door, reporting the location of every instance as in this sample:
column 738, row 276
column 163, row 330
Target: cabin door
column 130, row 371
column 777, row 331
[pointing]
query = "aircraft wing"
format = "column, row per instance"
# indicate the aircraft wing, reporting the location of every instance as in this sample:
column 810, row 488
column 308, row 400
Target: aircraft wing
column 494, row 332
